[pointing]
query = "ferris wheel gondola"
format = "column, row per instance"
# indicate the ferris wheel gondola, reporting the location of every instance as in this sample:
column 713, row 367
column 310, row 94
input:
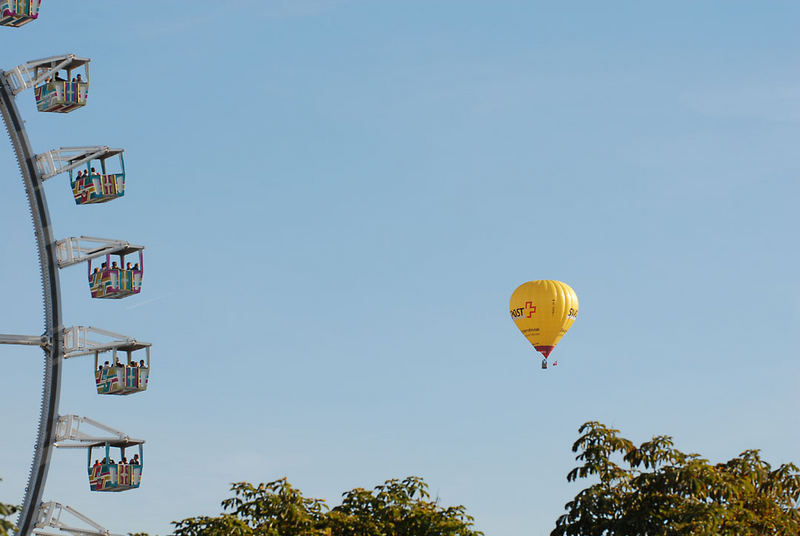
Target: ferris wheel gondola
column 89, row 184
column 105, row 474
column 108, row 475
column 54, row 92
column 113, row 279
column 62, row 95
column 127, row 377
column 115, row 376
column 16, row 13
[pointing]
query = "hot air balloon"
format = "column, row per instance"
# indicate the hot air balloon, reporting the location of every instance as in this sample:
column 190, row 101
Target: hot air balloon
column 543, row 311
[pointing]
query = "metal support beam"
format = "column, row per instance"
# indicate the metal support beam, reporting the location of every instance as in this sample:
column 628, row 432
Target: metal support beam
column 64, row 159
column 50, row 514
column 70, row 436
column 26, row 340
column 77, row 341
column 78, row 249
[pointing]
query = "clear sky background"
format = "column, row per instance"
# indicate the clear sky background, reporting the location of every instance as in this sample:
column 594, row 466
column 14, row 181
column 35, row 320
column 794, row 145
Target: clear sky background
column 337, row 200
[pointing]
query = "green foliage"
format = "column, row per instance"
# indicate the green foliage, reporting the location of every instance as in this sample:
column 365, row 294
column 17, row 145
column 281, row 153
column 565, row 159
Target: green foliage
column 273, row 509
column 6, row 526
column 655, row 489
column 396, row 508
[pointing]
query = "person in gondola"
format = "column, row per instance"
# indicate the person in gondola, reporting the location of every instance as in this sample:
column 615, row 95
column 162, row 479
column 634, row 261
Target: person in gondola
column 58, row 77
column 79, row 79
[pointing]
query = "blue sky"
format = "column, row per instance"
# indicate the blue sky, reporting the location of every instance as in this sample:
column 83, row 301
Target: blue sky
column 337, row 200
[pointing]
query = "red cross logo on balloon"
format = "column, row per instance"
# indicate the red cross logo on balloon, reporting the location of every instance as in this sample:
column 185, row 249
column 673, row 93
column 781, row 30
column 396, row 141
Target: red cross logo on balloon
column 532, row 308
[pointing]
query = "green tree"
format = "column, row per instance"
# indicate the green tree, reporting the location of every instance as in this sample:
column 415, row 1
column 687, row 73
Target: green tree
column 272, row 509
column 655, row 489
column 6, row 526
column 396, row 508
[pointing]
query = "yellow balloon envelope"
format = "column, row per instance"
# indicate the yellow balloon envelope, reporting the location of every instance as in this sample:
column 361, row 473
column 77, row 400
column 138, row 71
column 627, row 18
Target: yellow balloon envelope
column 543, row 311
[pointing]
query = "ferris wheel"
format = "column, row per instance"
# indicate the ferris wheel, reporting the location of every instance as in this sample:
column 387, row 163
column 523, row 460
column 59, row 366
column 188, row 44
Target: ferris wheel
column 96, row 175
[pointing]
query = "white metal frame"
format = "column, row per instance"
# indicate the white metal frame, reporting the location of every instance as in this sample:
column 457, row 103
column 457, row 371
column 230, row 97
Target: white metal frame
column 64, row 159
column 70, row 436
column 50, row 517
column 77, row 249
column 24, row 76
column 77, row 342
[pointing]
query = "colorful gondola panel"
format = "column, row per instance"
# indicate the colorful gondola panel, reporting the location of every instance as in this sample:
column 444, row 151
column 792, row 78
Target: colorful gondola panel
column 114, row 477
column 110, row 380
column 136, row 379
column 61, row 96
column 121, row 380
column 16, row 13
column 115, row 283
column 98, row 188
column 130, row 476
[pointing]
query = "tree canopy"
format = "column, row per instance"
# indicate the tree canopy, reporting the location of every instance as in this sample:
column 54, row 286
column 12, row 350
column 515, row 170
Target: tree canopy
column 397, row 508
column 655, row 489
